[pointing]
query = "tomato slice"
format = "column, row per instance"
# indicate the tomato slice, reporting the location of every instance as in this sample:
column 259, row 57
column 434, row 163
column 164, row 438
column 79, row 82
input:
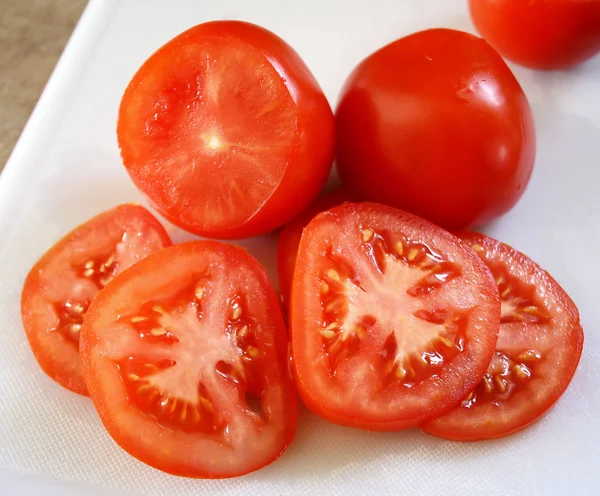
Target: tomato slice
column 537, row 353
column 226, row 131
column 393, row 319
column 61, row 285
column 290, row 234
column 185, row 357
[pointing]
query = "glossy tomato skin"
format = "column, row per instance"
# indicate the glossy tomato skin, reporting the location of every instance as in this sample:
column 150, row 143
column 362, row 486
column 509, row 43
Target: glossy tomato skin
column 242, row 443
column 545, row 341
column 52, row 281
column 543, row 34
column 378, row 404
column 437, row 125
column 307, row 163
column 290, row 234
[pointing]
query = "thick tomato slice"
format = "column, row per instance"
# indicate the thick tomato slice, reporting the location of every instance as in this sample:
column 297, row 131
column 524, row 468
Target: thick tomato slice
column 61, row 285
column 185, row 357
column 538, row 350
column 226, row 131
column 290, row 234
column 393, row 319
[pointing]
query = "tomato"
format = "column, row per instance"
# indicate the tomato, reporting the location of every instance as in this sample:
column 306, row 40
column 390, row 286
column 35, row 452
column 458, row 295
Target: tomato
column 185, row 357
column 289, row 237
column 542, row 34
column 226, row 131
column 538, row 350
column 61, row 285
column 436, row 124
column 393, row 319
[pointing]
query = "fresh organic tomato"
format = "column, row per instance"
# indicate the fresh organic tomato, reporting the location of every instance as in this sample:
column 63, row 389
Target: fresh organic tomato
column 393, row 319
column 61, row 285
column 186, row 359
column 226, row 131
column 543, row 34
column 289, row 237
column 536, row 356
column 436, row 124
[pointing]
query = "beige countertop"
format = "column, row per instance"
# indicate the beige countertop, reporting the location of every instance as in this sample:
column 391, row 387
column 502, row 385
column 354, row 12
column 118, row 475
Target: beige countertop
column 33, row 34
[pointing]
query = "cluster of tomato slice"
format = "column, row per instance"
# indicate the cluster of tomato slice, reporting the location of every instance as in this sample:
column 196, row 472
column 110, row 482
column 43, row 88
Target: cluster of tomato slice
column 394, row 322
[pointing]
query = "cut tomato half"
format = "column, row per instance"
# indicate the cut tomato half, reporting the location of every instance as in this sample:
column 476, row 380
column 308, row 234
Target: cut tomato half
column 290, row 234
column 393, row 319
column 226, row 131
column 61, row 285
column 185, row 357
column 538, row 350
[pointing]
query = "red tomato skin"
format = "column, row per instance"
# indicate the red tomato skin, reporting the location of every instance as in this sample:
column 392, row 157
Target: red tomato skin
column 541, row 34
column 291, row 233
column 71, row 377
column 437, row 125
column 308, row 165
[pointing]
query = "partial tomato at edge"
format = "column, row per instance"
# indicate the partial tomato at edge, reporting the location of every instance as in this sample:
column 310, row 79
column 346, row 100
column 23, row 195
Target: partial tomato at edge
column 436, row 124
column 537, row 353
column 290, row 234
column 541, row 34
column 186, row 359
column 60, row 286
column 226, row 131
column 393, row 319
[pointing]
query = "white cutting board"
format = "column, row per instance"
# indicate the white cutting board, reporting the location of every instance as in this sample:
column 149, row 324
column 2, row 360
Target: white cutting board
column 66, row 168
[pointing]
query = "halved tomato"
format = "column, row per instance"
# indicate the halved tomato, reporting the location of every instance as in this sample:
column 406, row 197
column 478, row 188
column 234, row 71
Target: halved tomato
column 61, row 285
column 186, row 359
column 538, row 350
column 393, row 321
column 226, row 131
column 289, row 237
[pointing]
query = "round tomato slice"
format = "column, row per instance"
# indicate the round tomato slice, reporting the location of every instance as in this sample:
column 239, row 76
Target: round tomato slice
column 537, row 353
column 393, row 319
column 289, row 237
column 61, row 285
column 185, row 357
column 226, row 131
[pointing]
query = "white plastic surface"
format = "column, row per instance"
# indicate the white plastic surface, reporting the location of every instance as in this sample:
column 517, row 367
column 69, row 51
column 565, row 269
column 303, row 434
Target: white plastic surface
column 66, row 168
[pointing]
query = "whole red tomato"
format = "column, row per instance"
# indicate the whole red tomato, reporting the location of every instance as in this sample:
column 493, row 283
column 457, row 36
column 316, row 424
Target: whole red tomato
column 543, row 34
column 436, row 124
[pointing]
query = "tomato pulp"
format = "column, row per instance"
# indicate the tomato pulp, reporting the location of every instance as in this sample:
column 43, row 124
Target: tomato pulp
column 537, row 353
column 289, row 237
column 437, row 125
column 393, row 319
column 61, row 285
column 226, row 131
column 186, row 359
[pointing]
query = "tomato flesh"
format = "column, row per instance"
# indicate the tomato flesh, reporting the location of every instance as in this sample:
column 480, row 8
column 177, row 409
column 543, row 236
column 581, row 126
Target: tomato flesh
column 185, row 356
column 212, row 130
column 393, row 319
column 290, row 234
column 61, row 285
column 537, row 353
